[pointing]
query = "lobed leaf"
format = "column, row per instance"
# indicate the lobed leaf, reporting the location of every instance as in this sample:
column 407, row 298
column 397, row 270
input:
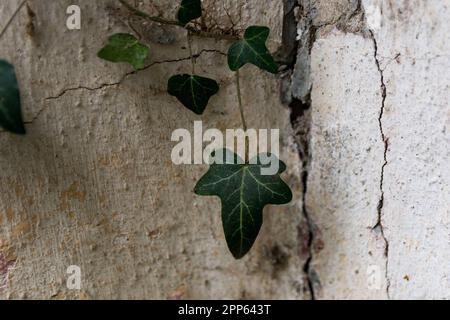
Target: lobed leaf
column 244, row 192
column 189, row 10
column 192, row 91
column 252, row 49
column 123, row 47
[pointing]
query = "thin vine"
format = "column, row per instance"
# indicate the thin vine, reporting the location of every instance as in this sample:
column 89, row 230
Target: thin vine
column 197, row 32
column 8, row 23
column 241, row 107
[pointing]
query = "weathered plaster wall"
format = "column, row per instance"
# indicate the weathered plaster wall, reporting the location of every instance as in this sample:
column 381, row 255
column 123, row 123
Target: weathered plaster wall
column 413, row 42
column 92, row 183
column 347, row 154
column 378, row 193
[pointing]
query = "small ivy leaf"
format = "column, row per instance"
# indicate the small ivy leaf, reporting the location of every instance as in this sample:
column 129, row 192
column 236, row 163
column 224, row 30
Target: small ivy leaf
column 192, row 91
column 189, row 10
column 10, row 107
column 252, row 49
column 244, row 192
column 123, row 47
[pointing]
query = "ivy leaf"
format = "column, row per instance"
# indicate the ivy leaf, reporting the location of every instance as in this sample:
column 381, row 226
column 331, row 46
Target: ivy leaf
column 252, row 49
column 244, row 192
column 192, row 91
column 123, row 47
column 10, row 107
column 189, row 10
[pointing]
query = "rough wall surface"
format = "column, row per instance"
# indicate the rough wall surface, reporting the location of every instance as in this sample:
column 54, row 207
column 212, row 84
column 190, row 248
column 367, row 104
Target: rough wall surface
column 413, row 42
column 378, row 182
column 347, row 153
column 92, row 184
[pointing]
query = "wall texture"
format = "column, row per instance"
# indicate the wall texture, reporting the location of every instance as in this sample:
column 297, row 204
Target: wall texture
column 363, row 109
column 93, row 185
column 378, row 187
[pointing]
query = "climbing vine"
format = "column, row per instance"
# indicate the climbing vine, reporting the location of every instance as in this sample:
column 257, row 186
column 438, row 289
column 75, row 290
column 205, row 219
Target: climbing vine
column 243, row 189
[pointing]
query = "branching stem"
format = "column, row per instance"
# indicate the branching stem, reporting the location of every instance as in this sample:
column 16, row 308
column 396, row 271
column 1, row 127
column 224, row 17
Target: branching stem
column 194, row 31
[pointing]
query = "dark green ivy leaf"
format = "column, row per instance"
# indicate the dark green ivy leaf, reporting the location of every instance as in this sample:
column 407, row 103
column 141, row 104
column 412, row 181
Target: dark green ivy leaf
column 10, row 107
column 252, row 49
column 244, row 192
column 192, row 91
column 189, row 10
column 123, row 47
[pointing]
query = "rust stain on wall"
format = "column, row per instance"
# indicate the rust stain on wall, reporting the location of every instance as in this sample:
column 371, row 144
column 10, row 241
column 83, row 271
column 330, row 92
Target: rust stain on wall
column 72, row 193
column 23, row 227
column 9, row 214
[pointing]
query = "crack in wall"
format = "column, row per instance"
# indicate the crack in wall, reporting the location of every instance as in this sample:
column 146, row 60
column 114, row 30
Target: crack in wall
column 296, row 51
column 304, row 150
column 122, row 79
column 350, row 20
column 296, row 92
column 379, row 225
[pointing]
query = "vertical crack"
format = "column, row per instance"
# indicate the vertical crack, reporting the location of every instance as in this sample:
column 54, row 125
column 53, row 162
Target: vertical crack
column 301, row 122
column 302, row 118
column 379, row 225
column 296, row 92
column 298, row 38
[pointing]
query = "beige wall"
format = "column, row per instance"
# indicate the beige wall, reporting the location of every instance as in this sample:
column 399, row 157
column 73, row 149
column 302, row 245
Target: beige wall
column 92, row 184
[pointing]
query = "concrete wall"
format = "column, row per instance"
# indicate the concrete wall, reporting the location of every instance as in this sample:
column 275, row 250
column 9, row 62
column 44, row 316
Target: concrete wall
column 378, row 187
column 363, row 109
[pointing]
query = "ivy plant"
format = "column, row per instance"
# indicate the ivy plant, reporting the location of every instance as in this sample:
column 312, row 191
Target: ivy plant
column 243, row 190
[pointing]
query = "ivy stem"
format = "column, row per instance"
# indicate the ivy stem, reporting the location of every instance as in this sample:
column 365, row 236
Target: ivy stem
column 241, row 110
column 189, row 38
column 12, row 18
column 147, row 16
column 134, row 30
column 194, row 31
